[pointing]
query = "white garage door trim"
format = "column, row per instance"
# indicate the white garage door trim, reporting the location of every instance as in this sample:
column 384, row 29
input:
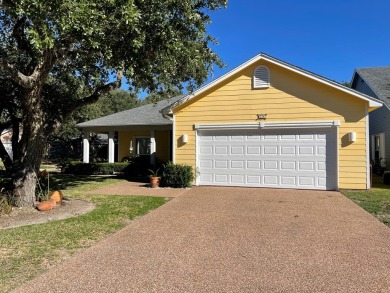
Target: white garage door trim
column 279, row 128
column 268, row 125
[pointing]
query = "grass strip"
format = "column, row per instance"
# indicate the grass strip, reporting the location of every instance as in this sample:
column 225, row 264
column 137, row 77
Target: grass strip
column 375, row 201
column 28, row 251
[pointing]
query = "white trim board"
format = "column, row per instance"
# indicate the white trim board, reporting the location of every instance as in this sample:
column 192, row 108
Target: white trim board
column 267, row 125
column 368, row 171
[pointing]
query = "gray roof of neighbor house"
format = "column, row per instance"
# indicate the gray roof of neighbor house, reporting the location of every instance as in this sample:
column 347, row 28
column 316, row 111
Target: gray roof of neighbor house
column 378, row 79
column 144, row 115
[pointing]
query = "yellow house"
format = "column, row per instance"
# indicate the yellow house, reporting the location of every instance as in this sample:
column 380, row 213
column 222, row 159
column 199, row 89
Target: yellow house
column 268, row 123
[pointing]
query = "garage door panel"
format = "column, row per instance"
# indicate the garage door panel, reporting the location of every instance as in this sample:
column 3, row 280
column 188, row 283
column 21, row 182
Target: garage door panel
column 269, row 165
column 237, row 150
column 270, row 150
column 206, row 164
column 271, row 180
column 253, row 150
column 206, row 150
column 221, row 150
column 237, row 164
column 206, row 178
column 237, row 179
column 288, row 180
column 306, row 150
column 253, row 165
column 288, row 165
column 306, row 166
column 288, row 150
column 221, row 164
column 253, row 180
column 300, row 158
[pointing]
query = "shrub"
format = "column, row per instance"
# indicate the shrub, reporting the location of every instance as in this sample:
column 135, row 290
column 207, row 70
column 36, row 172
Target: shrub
column 95, row 168
column 177, row 176
column 386, row 178
column 140, row 166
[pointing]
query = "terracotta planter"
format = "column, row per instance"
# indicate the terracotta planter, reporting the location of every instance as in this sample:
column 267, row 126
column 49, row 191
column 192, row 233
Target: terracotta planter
column 46, row 205
column 57, row 196
column 154, row 181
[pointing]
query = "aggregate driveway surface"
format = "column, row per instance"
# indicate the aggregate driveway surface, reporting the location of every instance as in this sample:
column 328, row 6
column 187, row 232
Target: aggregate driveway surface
column 221, row 239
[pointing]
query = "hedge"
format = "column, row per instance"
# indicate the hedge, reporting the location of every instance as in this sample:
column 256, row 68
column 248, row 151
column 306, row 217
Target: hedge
column 177, row 176
column 95, row 168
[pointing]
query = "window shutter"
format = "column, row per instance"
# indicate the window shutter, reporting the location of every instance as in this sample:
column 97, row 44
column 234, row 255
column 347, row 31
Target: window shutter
column 261, row 77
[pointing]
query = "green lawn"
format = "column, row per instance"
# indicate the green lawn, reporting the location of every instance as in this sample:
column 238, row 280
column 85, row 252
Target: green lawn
column 26, row 252
column 376, row 201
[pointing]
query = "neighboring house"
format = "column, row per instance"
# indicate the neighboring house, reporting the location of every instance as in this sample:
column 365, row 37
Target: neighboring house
column 266, row 123
column 6, row 137
column 375, row 82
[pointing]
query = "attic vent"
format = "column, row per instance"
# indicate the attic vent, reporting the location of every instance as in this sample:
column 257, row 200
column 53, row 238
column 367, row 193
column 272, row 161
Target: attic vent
column 261, row 77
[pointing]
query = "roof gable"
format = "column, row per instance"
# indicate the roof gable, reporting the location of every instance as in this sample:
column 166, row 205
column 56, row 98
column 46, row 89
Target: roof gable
column 378, row 79
column 262, row 56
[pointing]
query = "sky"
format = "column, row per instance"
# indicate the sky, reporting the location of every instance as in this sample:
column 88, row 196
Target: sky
column 330, row 38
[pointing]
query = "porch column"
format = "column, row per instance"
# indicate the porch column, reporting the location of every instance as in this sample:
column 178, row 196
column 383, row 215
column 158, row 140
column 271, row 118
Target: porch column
column 86, row 147
column 152, row 148
column 111, row 147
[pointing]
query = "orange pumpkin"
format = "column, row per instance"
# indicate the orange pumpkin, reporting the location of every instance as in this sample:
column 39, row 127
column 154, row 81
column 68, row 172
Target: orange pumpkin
column 57, row 196
column 46, row 205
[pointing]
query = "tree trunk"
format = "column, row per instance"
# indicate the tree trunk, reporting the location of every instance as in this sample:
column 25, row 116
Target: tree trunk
column 29, row 150
column 24, row 189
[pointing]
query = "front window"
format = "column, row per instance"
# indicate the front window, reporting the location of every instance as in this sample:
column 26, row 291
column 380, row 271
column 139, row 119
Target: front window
column 142, row 146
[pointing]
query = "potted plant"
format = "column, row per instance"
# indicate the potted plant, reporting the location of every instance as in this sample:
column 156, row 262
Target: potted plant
column 154, row 179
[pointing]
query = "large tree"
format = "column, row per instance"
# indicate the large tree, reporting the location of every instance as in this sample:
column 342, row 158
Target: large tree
column 60, row 55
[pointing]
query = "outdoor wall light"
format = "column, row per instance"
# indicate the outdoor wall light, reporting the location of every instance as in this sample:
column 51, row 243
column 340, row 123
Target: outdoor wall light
column 352, row 136
column 184, row 138
column 261, row 116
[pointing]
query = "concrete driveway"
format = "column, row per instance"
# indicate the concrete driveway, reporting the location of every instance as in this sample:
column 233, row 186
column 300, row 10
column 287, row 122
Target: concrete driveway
column 213, row 239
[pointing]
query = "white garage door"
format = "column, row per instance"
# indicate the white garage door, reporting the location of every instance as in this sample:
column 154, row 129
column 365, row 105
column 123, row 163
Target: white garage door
column 291, row 158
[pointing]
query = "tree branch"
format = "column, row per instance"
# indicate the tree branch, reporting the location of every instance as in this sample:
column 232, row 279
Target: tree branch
column 100, row 91
column 5, row 157
column 61, row 118
column 21, row 79
column 18, row 33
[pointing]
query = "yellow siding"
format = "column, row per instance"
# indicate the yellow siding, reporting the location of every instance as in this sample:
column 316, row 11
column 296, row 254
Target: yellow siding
column 291, row 97
column 162, row 143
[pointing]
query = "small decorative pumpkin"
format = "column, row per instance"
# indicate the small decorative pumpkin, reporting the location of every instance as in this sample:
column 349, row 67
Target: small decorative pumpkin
column 57, row 196
column 46, row 205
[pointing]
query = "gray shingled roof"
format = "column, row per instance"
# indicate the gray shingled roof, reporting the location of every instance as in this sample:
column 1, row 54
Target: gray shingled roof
column 144, row 115
column 378, row 79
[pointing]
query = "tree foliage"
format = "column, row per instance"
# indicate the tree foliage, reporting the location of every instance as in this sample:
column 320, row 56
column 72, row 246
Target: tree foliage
column 59, row 56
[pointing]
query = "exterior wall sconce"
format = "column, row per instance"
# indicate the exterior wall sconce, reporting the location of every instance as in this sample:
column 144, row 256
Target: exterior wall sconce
column 184, row 138
column 352, row 136
column 261, row 116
